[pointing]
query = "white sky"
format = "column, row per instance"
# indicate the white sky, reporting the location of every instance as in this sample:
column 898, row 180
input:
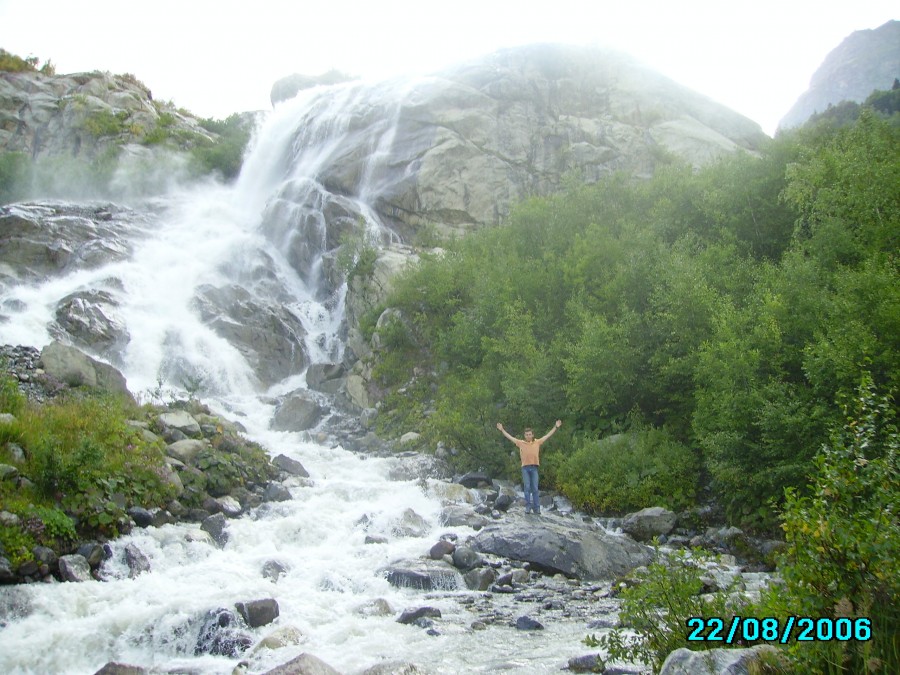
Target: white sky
column 216, row 57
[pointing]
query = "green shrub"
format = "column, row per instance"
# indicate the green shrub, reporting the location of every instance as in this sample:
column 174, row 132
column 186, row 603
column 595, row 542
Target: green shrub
column 843, row 542
column 643, row 467
column 656, row 606
column 81, row 454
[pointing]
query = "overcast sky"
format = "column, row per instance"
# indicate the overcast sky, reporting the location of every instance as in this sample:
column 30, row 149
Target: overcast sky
column 216, row 57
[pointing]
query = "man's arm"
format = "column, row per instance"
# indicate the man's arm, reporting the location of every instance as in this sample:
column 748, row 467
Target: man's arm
column 551, row 432
column 503, row 431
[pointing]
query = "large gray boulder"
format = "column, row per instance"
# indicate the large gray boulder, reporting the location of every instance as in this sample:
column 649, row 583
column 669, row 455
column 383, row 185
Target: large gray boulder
column 717, row 661
column 574, row 549
column 298, row 411
column 648, row 523
column 77, row 369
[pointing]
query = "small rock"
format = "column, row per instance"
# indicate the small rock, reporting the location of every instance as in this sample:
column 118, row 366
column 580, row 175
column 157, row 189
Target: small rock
column 440, row 549
column 527, row 623
column 413, row 615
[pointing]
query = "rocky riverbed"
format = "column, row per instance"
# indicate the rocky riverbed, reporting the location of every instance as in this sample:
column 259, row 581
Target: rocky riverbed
column 490, row 568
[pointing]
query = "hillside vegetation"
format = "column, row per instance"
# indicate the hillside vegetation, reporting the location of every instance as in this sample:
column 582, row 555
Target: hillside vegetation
column 699, row 330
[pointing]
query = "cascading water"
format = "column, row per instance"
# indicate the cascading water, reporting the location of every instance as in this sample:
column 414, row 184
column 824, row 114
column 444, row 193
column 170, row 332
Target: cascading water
column 266, row 235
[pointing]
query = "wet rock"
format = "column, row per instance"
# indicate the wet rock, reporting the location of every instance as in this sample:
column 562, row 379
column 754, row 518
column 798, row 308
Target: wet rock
column 272, row 569
column 258, row 613
column 465, row 558
column 219, row 635
column 527, row 623
column 73, row 568
column 276, row 492
column 376, row 607
column 113, row 668
column 286, row 636
column 141, row 516
column 305, row 664
column 216, row 527
column 589, row 663
column 298, row 412
column 425, row 575
column 412, row 615
column 291, row 466
column 474, row 479
column 411, row 524
column 480, row 579
column 440, row 549
column 137, row 562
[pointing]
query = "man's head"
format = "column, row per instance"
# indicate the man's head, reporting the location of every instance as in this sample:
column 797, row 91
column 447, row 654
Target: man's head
column 529, row 434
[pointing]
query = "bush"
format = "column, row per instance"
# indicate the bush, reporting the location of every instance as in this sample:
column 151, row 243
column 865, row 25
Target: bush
column 843, row 542
column 81, row 454
column 644, row 467
column 656, row 606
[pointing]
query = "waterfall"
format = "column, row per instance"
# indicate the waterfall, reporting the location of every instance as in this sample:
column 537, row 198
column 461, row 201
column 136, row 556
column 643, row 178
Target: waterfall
column 266, row 238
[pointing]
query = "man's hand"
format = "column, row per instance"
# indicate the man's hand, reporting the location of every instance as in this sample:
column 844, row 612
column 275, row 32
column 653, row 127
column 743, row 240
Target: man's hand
column 558, row 423
column 499, row 426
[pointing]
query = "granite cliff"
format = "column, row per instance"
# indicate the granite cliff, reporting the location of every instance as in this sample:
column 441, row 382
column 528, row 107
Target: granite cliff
column 865, row 61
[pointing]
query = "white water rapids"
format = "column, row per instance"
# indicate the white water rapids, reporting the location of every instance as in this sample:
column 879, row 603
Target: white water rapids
column 209, row 234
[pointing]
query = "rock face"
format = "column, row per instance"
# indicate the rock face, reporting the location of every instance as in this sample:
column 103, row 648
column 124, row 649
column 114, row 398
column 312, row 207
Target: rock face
column 865, row 61
column 572, row 549
column 469, row 142
column 82, row 114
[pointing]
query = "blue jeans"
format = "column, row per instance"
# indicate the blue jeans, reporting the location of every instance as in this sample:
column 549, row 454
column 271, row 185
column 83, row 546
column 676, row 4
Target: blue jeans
column 530, row 481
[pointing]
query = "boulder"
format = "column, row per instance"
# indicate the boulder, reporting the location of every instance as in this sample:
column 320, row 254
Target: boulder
column 423, row 575
column 220, row 635
column 286, row 636
column 410, row 524
column 648, row 523
column 571, row 548
column 74, row 568
column 137, row 562
column 717, row 661
column 216, row 526
column 258, row 613
column 182, row 421
column 91, row 320
column 291, row 466
column 412, row 615
column 186, row 451
column 77, row 369
column 298, row 412
column 305, row 664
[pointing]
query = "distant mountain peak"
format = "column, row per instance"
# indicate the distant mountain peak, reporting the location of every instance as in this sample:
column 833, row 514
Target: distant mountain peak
column 865, row 61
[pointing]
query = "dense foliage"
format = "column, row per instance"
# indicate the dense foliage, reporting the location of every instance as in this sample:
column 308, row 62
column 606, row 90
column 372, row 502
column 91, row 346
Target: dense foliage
column 728, row 309
column 843, row 555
